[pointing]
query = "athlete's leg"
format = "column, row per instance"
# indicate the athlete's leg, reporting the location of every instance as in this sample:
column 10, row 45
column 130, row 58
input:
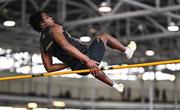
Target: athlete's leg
column 96, row 52
column 111, row 42
column 104, row 78
column 115, row 44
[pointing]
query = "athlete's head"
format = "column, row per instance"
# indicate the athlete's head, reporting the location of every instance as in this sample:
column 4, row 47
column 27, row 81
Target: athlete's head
column 40, row 20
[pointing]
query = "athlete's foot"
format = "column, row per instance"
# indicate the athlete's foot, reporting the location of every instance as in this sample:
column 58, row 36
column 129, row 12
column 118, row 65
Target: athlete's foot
column 130, row 49
column 119, row 87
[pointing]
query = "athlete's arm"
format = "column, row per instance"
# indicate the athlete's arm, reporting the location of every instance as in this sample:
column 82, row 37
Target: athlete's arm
column 57, row 34
column 48, row 63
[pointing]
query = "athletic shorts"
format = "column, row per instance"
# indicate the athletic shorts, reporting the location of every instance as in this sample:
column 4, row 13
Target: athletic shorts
column 95, row 51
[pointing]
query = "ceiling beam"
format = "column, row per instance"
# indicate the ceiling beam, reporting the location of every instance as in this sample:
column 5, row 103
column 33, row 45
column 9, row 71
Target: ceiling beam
column 135, row 3
column 34, row 4
column 4, row 5
column 156, row 23
column 92, row 5
column 121, row 16
column 19, row 30
column 151, row 36
column 1, row 1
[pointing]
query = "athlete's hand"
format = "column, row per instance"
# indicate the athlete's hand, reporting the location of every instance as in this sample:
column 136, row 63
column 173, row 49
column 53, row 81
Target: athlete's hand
column 93, row 66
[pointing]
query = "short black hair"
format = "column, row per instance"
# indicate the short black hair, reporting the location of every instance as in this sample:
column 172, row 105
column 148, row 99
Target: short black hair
column 35, row 20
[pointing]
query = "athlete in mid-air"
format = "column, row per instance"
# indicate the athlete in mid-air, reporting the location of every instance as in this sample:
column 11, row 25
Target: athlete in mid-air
column 57, row 42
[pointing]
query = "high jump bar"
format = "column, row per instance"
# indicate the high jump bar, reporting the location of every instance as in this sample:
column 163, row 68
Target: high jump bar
column 88, row 70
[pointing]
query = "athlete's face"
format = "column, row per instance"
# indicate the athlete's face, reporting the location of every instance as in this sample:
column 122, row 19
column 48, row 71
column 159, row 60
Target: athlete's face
column 47, row 20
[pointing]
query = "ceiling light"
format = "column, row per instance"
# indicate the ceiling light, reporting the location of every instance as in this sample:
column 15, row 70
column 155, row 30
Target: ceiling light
column 172, row 77
column 42, row 109
column 9, row 23
column 172, row 27
column 141, row 70
column 32, row 105
column 59, row 103
column 149, row 52
column 6, row 108
column 140, row 27
column 85, row 39
column 92, row 30
column 6, row 63
column 2, row 51
column 104, row 7
column 178, row 66
column 24, row 69
column 171, row 67
column 164, row 76
column 160, row 67
column 8, row 51
column 148, row 76
column 36, row 58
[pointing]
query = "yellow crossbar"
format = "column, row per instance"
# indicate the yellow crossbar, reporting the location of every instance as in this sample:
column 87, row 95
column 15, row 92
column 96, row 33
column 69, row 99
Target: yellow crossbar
column 87, row 70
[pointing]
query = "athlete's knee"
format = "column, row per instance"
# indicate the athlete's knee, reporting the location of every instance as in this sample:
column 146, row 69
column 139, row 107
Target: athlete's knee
column 103, row 35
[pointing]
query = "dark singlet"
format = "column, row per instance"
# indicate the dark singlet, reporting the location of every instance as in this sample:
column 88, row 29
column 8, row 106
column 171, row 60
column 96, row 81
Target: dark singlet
column 49, row 45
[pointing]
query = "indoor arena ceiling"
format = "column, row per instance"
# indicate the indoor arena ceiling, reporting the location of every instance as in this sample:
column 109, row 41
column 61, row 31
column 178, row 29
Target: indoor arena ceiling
column 144, row 21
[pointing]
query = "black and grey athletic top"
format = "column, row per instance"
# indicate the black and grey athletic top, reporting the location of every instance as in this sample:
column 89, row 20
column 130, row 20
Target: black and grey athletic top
column 49, row 45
